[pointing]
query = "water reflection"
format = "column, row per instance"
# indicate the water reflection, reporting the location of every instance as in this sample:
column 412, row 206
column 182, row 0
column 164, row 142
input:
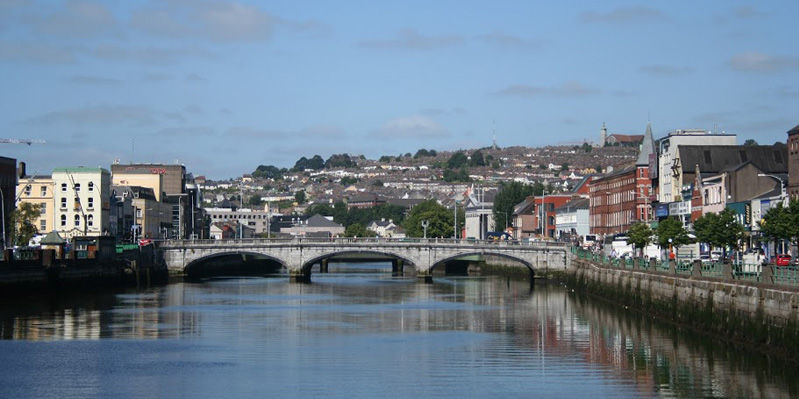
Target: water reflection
column 457, row 336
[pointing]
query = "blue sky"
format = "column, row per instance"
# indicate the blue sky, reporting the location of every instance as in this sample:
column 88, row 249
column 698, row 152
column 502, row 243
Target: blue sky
column 223, row 86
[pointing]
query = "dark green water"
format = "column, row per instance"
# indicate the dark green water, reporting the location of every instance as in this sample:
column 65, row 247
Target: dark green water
column 361, row 333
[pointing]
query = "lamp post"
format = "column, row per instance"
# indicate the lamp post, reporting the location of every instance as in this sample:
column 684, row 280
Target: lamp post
column 425, row 223
column 455, row 226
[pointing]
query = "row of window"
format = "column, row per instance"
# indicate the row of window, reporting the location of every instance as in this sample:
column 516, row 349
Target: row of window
column 89, row 203
column 43, row 189
column 89, row 220
column 230, row 217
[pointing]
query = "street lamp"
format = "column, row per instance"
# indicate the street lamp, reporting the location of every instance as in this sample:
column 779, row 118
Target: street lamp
column 543, row 214
column 425, row 223
column 782, row 185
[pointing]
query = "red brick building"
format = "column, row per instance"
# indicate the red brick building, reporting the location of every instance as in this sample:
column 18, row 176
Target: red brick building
column 547, row 213
column 793, row 163
column 621, row 198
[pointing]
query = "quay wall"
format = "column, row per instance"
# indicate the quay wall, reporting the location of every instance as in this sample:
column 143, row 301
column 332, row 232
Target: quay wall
column 759, row 315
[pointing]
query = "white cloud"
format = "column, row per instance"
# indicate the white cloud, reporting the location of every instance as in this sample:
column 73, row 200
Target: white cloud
column 409, row 39
column 77, row 19
column 188, row 131
column 220, row 21
column 759, row 62
column 505, row 40
column 568, row 89
column 35, row 52
column 623, row 15
column 94, row 80
column 412, row 126
column 104, row 115
column 665, row 70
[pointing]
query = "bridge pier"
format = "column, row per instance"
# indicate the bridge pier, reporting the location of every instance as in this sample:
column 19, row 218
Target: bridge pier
column 299, row 277
column 323, row 266
column 397, row 266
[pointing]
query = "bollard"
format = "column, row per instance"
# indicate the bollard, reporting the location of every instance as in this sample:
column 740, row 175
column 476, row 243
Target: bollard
column 672, row 266
column 767, row 274
column 727, row 271
column 697, row 269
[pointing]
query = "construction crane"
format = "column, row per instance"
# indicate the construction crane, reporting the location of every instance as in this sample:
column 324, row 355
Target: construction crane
column 21, row 141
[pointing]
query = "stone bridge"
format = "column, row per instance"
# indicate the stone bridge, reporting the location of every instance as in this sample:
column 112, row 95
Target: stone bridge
column 300, row 254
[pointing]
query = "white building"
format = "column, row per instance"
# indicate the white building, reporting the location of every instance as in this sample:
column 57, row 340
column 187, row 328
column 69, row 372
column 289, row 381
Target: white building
column 667, row 151
column 82, row 201
column 255, row 219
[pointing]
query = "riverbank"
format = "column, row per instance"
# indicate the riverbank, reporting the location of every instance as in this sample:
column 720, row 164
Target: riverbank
column 752, row 314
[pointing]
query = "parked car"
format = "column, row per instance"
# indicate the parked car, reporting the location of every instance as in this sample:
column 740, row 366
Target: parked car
column 783, row 260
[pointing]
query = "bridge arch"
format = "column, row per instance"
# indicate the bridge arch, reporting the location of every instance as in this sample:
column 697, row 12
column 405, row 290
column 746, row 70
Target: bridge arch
column 198, row 265
column 308, row 264
column 440, row 261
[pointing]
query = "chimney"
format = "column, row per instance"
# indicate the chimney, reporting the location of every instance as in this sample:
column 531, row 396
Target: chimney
column 21, row 170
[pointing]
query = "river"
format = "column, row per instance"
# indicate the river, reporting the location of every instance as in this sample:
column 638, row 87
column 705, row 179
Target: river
column 358, row 332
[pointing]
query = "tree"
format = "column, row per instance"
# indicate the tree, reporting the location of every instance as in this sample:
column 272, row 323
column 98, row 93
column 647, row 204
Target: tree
column 673, row 229
column 319, row 209
column 348, row 180
column 378, row 183
column 385, row 159
column 255, row 200
column 358, row 230
column 587, row 147
column 564, row 167
column 457, row 161
column 300, row 197
column 750, row 142
column 640, row 235
column 719, row 230
column 781, row 223
column 477, row 159
column 509, row 195
column 25, row 216
column 438, row 217
column 269, row 172
column 340, row 161
column 315, row 163
column 460, row 175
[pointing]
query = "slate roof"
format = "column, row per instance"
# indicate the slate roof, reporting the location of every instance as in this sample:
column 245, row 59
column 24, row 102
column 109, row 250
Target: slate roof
column 716, row 158
column 579, row 203
column 647, row 147
column 52, row 238
column 793, row 131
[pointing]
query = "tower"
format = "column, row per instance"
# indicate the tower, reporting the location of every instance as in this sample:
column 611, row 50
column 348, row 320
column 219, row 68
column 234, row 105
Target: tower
column 603, row 135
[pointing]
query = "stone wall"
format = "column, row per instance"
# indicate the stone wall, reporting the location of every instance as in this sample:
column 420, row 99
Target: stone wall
column 757, row 315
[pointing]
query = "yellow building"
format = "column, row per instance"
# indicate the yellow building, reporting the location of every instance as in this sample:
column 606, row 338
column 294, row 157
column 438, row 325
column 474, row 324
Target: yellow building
column 38, row 190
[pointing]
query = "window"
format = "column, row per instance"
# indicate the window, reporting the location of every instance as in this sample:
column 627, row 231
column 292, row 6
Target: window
column 91, row 202
column 28, row 190
column 44, row 191
column 43, row 208
column 90, row 220
column 43, row 225
column 63, row 220
column 91, row 186
column 77, row 220
column 138, row 212
column 64, row 203
column 77, row 186
column 63, row 187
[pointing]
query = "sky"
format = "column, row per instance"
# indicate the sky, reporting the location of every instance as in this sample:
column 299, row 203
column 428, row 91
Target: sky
column 225, row 86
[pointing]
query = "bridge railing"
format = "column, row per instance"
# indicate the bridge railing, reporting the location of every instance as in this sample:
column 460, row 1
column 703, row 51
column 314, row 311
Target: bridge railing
column 743, row 273
column 362, row 240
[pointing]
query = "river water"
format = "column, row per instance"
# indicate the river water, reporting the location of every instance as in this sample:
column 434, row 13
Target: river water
column 358, row 332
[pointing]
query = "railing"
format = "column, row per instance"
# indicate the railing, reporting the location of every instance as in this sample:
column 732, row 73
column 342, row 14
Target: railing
column 364, row 240
column 737, row 271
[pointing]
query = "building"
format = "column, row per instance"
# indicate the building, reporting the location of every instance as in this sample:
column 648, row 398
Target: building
column 382, row 227
column 256, row 219
column 8, row 189
column 82, row 201
column 544, row 212
column 315, row 225
column 478, row 210
column 365, row 200
column 626, row 140
column 793, row 163
column 170, row 184
column 668, row 190
column 38, row 190
column 624, row 196
column 571, row 218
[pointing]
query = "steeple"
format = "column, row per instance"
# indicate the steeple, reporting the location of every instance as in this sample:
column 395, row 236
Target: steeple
column 647, row 147
column 494, row 128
